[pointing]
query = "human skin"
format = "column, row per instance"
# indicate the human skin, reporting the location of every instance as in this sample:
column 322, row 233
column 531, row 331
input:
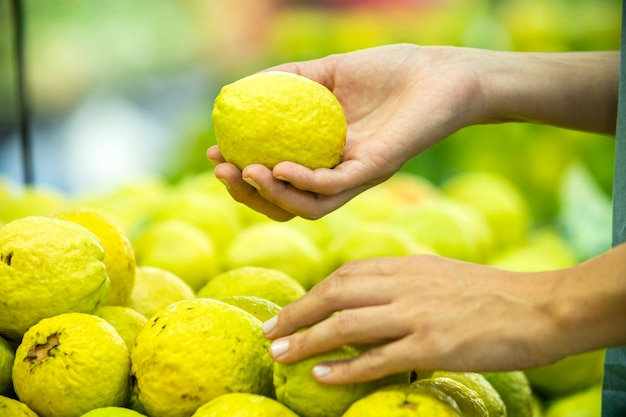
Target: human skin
column 427, row 312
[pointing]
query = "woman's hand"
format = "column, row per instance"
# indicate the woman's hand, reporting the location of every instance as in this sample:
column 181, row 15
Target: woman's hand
column 398, row 100
column 421, row 312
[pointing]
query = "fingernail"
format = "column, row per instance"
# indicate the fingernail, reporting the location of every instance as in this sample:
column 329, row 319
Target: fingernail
column 223, row 181
column 279, row 347
column 281, row 178
column 269, row 325
column 252, row 183
column 321, row 371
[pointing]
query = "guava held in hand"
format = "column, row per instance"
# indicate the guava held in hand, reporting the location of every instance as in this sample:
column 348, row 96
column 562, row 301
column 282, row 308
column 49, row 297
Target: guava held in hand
column 275, row 116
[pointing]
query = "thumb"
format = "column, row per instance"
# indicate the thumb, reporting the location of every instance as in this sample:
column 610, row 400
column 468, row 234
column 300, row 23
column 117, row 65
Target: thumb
column 319, row 70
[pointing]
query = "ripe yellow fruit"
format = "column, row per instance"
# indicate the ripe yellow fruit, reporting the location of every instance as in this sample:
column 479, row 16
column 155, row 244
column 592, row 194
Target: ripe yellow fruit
column 125, row 320
column 371, row 240
column 296, row 388
column 404, row 401
column 112, row 412
column 467, row 400
column 260, row 308
column 241, row 404
column 179, row 247
column 515, row 390
column 196, row 350
column 10, row 407
column 69, row 364
column 48, row 267
column 270, row 117
column 269, row 283
column 498, row 198
column 451, row 228
column 7, row 357
column 569, row 375
column 156, row 288
column 277, row 246
column 477, row 382
column 119, row 256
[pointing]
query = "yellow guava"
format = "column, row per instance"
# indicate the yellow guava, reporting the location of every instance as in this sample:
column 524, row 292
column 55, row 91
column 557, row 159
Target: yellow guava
column 277, row 246
column 297, row 389
column 119, row 256
column 260, row 308
column 404, row 400
column 467, row 400
column 242, row 404
column 179, row 247
column 156, row 288
column 71, row 363
column 7, row 357
column 10, row 407
column 269, row 283
column 477, row 382
column 270, row 117
column 514, row 389
column 196, row 350
column 48, row 267
column 126, row 321
column 112, row 412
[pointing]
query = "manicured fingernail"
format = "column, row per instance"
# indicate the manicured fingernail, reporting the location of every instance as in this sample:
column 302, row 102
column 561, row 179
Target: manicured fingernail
column 321, row 371
column 279, row 347
column 269, row 325
column 223, row 181
column 252, row 183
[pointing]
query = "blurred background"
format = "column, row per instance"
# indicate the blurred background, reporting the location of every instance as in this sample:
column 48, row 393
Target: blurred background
column 121, row 90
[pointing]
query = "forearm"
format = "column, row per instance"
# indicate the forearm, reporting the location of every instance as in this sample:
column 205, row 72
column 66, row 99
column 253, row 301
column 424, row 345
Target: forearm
column 590, row 302
column 574, row 90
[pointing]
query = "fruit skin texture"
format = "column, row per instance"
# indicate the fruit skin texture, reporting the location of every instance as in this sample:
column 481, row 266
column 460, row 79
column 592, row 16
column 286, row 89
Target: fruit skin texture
column 10, row 407
column 156, row 288
column 514, row 389
column 569, row 375
column 404, row 401
column 260, row 308
column 296, row 388
column 278, row 246
column 271, row 284
column 179, row 247
column 196, row 350
column 126, row 321
column 69, row 364
column 48, row 267
column 477, row 382
column 239, row 404
column 274, row 116
column 112, row 412
column 7, row 357
column 584, row 403
column 119, row 256
column 467, row 400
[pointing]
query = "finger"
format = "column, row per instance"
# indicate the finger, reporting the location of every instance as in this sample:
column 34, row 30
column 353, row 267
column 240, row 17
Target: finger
column 340, row 291
column 317, row 70
column 377, row 362
column 367, row 325
column 283, row 195
column 214, row 155
column 243, row 192
column 346, row 176
column 298, row 200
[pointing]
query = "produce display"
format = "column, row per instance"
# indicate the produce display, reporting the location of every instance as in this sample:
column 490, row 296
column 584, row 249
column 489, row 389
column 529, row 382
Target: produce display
column 182, row 345
column 148, row 298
